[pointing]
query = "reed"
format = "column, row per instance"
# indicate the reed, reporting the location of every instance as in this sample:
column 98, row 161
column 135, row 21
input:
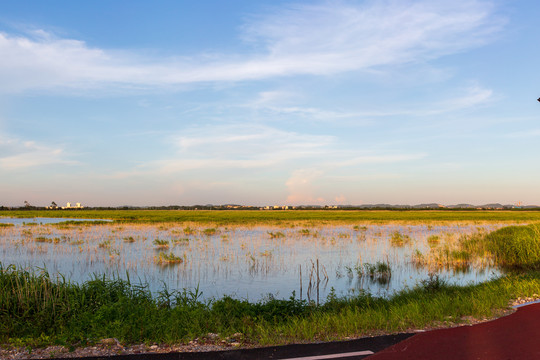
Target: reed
column 38, row 311
column 514, row 246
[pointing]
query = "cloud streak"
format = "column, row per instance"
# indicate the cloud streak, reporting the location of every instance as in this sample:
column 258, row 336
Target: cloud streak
column 18, row 154
column 327, row 38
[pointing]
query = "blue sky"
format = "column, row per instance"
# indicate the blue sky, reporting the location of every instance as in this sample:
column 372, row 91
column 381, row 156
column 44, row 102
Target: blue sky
column 112, row 103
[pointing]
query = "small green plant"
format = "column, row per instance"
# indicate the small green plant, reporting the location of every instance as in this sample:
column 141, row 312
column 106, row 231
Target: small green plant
column 189, row 231
column 129, row 239
column 276, row 235
column 168, row 259
column 209, row 231
column 399, row 239
column 43, row 239
column 433, row 240
column 304, row 232
column 161, row 243
column 181, row 241
column 105, row 244
column 433, row 284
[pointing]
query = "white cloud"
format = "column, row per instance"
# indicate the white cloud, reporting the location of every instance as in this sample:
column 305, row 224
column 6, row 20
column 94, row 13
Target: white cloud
column 327, row 38
column 276, row 102
column 21, row 154
column 242, row 146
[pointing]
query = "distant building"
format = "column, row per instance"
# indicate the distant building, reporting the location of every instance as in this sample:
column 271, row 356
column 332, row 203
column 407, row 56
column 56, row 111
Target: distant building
column 77, row 206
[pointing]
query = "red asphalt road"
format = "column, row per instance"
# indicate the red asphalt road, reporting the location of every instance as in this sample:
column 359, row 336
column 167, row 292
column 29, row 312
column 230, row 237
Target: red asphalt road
column 516, row 337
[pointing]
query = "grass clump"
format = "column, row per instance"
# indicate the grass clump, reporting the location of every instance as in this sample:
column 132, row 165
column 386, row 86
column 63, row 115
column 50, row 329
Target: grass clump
column 380, row 271
column 398, row 239
column 515, row 246
column 210, row 231
column 433, row 240
column 276, row 234
column 168, row 258
column 161, row 243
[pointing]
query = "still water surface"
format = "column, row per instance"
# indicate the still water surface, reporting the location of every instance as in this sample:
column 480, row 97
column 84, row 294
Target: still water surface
column 244, row 262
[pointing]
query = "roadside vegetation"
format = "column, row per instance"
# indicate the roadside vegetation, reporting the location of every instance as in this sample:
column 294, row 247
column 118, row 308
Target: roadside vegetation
column 37, row 309
column 40, row 311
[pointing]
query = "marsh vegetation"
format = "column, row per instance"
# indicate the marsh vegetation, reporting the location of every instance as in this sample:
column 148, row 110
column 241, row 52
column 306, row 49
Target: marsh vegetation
column 170, row 282
column 253, row 262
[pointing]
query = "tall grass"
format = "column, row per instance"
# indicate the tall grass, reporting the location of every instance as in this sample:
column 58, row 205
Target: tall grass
column 515, row 246
column 38, row 310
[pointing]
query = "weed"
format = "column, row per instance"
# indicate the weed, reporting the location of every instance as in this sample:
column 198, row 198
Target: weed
column 399, row 239
column 276, row 234
column 161, row 243
column 433, row 240
column 168, row 258
column 105, row 244
column 210, row 231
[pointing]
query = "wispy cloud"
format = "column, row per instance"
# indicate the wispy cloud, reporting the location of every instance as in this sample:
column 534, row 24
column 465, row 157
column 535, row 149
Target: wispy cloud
column 278, row 103
column 242, row 146
column 321, row 39
column 20, row 154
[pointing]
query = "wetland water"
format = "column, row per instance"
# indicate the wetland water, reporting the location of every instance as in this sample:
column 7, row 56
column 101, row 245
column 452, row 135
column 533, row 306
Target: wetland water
column 247, row 262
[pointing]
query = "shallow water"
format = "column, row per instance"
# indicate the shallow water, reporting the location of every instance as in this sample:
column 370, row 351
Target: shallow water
column 244, row 262
column 39, row 220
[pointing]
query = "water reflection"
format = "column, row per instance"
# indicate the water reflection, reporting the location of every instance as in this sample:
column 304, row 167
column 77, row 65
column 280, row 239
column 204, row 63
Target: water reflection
column 249, row 262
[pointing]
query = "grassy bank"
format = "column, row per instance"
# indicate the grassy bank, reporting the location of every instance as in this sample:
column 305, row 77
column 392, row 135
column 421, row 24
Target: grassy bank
column 317, row 217
column 37, row 311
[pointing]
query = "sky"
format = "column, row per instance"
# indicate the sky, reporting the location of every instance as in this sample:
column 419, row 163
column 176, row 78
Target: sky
column 269, row 102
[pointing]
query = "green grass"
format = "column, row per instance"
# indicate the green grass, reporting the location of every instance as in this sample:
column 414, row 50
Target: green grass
column 514, row 246
column 168, row 259
column 39, row 311
column 161, row 243
column 311, row 217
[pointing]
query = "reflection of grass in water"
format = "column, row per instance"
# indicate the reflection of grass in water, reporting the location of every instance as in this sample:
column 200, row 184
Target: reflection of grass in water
column 380, row 271
column 276, row 234
column 105, row 244
column 129, row 239
column 168, row 259
column 399, row 239
column 43, row 239
column 210, row 231
column 433, row 240
column 211, row 252
column 161, row 243
column 189, row 231
column 41, row 311
column 181, row 241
